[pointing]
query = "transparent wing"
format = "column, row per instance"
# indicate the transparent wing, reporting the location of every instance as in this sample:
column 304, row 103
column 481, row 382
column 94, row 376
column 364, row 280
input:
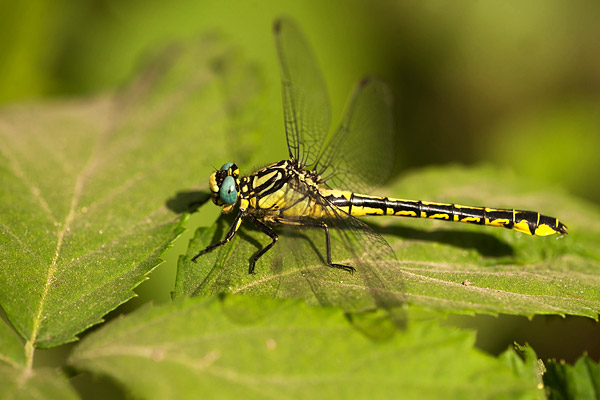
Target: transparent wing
column 360, row 155
column 296, row 266
column 306, row 106
column 377, row 282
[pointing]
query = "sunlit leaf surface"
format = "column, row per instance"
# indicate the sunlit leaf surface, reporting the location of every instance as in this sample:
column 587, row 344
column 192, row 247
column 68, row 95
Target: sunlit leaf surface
column 445, row 266
column 93, row 190
column 262, row 348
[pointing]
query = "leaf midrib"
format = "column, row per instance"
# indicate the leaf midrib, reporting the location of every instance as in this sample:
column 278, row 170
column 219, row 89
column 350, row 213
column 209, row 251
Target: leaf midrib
column 52, row 270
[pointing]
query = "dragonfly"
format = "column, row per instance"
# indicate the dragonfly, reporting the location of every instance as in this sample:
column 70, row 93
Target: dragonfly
column 301, row 191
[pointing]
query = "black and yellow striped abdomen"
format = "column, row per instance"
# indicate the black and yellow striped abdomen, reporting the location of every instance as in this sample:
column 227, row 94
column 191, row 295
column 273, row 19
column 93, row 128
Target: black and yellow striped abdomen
column 529, row 222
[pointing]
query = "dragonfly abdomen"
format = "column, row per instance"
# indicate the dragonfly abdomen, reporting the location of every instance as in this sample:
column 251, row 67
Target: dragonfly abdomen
column 529, row 222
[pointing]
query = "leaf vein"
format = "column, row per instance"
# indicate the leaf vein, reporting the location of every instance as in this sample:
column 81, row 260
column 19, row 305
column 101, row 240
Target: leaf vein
column 6, row 230
column 28, row 183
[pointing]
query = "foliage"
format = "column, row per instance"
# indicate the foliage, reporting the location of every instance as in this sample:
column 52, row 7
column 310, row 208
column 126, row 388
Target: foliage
column 451, row 267
column 95, row 190
column 579, row 381
column 264, row 348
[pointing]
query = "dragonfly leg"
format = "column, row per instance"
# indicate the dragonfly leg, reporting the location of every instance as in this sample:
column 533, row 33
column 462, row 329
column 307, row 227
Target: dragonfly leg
column 267, row 230
column 317, row 224
column 232, row 231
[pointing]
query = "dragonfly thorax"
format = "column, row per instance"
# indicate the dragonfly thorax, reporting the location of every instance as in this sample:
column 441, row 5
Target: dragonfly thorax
column 225, row 186
column 309, row 176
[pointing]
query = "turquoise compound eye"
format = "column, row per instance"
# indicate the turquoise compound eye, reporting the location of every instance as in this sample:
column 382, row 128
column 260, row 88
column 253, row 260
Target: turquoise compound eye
column 226, row 166
column 228, row 191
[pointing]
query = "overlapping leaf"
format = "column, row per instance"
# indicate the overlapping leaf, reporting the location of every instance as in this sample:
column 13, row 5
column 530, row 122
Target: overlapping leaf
column 44, row 383
column 11, row 348
column 17, row 381
column 86, row 186
column 261, row 348
column 579, row 381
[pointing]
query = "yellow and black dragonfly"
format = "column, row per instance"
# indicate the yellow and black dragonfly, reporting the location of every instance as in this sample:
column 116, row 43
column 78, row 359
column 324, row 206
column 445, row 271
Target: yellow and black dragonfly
column 299, row 191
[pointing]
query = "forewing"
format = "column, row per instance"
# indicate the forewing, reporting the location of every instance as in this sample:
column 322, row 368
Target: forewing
column 360, row 155
column 306, row 106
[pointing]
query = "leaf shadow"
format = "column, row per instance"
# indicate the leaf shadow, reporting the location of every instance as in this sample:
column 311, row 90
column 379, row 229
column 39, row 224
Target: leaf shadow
column 187, row 201
column 485, row 244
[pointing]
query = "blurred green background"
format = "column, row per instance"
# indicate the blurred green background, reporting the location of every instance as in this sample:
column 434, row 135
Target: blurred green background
column 515, row 84
column 511, row 83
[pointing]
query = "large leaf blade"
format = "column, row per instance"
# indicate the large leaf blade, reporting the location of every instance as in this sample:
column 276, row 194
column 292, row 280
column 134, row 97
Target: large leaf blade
column 468, row 268
column 260, row 348
column 452, row 267
column 86, row 216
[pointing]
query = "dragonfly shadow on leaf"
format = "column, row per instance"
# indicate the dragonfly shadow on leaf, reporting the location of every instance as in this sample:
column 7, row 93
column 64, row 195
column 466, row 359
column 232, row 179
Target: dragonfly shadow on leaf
column 290, row 239
column 305, row 237
column 485, row 244
column 187, row 201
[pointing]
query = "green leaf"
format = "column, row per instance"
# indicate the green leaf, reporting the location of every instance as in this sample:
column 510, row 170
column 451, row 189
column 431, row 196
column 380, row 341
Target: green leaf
column 264, row 348
column 524, row 363
column 469, row 268
column 445, row 266
column 11, row 347
column 295, row 268
column 24, row 383
column 94, row 184
column 579, row 381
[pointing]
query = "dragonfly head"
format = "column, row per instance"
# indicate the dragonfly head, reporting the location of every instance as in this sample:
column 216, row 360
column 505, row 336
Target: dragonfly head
column 225, row 186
